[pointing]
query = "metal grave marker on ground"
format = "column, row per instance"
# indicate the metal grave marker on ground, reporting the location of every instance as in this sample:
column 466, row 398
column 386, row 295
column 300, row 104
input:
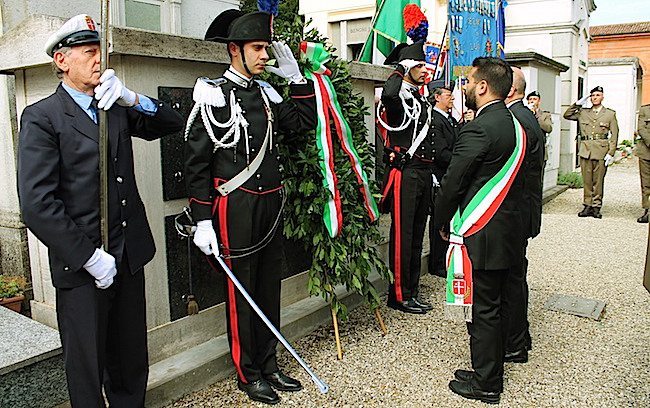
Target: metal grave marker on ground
column 574, row 305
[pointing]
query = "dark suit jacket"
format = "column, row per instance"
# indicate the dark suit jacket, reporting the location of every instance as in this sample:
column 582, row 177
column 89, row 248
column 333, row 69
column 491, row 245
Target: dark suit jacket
column 58, row 183
column 482, row 149
column 444, row 136
column 531, row 171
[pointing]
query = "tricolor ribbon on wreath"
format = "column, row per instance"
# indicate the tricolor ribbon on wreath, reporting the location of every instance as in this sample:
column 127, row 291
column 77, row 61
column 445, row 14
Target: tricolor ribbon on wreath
column 474, row 217
column 328, row 108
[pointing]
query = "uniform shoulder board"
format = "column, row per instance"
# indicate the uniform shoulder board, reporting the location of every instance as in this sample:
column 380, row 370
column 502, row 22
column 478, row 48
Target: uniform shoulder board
column 270, row 92
column 609, row 109
column 208, row 91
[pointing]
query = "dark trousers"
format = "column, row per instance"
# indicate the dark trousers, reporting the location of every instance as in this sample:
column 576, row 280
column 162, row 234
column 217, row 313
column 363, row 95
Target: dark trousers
column 437, row 246
column 410, row 207
column 485, row 330
column 104, row 338
column 243, row 219
column 515, row 306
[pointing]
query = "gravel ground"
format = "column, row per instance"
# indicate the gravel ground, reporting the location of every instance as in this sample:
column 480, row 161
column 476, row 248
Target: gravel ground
column 576, row 362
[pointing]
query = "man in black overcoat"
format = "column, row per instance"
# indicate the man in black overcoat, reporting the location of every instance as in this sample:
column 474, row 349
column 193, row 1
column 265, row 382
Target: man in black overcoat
column 482, row 149
column 517, row 335
column 100, row 300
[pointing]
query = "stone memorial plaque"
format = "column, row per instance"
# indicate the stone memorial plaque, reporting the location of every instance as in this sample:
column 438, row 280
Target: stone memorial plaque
column 208, row 284
column 171, row 146
column 577, row 306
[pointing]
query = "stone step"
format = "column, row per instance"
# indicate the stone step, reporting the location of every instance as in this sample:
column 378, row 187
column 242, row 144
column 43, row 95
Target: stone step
column 209, row 362
column 31, row 363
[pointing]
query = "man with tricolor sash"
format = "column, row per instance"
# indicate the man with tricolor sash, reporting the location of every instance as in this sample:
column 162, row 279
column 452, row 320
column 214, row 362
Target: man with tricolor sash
column 477, row 211
column 407, row 185
column 235, row 184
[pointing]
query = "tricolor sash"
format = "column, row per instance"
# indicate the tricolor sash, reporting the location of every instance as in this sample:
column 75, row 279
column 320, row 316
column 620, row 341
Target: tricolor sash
column 474, row 217
column 328, row 108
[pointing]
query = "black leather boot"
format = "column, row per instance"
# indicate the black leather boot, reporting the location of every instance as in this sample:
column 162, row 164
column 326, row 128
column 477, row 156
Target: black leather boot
column 586, row 212
column 644, row 218
column 595, row 212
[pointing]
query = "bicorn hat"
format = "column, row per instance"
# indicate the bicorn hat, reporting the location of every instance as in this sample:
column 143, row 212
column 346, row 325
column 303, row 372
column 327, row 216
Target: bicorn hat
column 236, row 26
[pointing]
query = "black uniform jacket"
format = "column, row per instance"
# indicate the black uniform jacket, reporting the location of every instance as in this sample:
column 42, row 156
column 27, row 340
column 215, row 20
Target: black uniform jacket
column 203, row 164
column 58, row 183
column 531, row 171
column 482, row 149
column 445, row 133
column 395, row 114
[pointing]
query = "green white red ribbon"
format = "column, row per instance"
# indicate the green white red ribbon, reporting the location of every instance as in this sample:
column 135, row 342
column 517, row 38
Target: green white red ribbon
column 328, row 108
column 474, row 217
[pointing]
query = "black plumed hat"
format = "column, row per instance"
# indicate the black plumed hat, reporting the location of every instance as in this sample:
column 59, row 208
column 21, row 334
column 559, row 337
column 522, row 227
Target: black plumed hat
column 405, row 51
column 235, row 26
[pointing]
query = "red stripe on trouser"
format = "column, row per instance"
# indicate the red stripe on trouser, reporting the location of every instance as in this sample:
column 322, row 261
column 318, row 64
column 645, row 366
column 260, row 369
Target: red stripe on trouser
column 235, row 351
column 397, row 215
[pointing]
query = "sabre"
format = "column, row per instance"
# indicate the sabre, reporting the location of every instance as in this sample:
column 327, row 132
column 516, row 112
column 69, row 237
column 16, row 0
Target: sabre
column 322, row 386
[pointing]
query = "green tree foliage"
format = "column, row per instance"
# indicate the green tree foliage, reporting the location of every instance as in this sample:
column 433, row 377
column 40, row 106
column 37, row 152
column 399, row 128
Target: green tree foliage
column 348, row 258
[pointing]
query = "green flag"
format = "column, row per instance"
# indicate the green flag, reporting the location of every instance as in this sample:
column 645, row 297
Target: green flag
column 387, row 29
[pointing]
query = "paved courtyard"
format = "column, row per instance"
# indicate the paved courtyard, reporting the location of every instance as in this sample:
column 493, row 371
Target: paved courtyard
column 575, row 362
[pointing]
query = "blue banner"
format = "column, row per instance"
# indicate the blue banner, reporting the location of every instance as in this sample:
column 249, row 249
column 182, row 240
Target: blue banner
column 477, row 29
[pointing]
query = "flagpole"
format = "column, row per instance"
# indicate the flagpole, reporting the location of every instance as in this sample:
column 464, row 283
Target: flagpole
column 372, row 31
column 103, row 133
column 444, row 35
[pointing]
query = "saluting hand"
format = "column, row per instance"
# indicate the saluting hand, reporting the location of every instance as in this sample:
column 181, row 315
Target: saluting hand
column 287, row 64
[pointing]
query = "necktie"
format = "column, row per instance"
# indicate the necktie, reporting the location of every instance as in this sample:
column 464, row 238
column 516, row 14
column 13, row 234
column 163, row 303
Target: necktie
column 93, row 110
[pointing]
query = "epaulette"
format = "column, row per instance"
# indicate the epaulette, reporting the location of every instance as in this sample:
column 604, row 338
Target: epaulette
column 208, row 91
column 270, row 92
column 609, row 109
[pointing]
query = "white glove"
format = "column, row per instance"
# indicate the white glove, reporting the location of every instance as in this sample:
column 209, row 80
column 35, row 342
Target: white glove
column 101, row 266
column 205, row 238
column 287, row 64
column 409, row 63
column 111, row 89
column 436, row 183
column 608, row 159
column 582, row 100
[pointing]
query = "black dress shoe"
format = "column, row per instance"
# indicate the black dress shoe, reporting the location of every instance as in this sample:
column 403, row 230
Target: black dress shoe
column 259, row 391
column 644, row 218
column 407, row 306
column 595, row 212
column 464, row 375
column 426, row 306
column 466, row 390
column 519, row 356
column 282, row 382
column 586, row 212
